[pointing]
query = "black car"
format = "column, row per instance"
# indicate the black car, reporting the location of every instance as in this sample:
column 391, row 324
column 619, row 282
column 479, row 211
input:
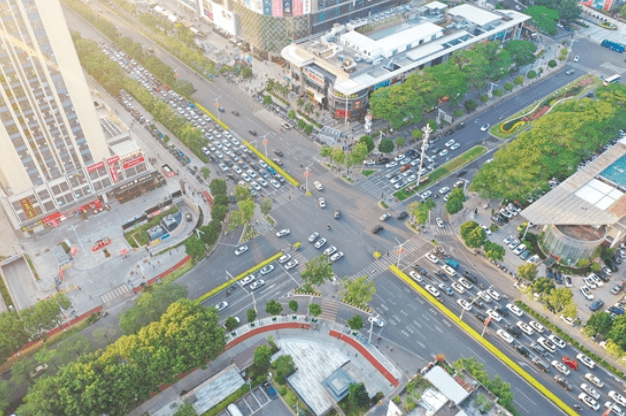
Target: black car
column 402, row 215
column 383, row 160
column 480, row 316
column 470, row 277
column 421, row 270
column 278, row 153
column 610, row 265
column 502, row 311
column 476, row 301
column 460, row 126
column 497, row 220
column 252, row 132
column 441, row 275
column 513, row 330
column 616, row 259
column 522, row 350
column 377, row 229
column 503, row 218
column 560, row 380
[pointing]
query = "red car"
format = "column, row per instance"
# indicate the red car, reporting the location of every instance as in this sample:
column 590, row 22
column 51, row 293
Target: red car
column 570, row 362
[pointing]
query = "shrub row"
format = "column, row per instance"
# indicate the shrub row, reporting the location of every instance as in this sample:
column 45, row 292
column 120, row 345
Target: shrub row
column 315, row 123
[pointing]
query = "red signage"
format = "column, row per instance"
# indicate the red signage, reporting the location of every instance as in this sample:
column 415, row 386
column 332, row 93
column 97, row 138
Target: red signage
column 114, row 174
column 28, row 208
column 113, row 160
column 52, row 218
column 74, row 250
column 133, row 162
column 95, row 167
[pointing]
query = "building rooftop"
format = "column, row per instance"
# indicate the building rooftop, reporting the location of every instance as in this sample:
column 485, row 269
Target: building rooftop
column 447, row 385
column 595, row 195
column 356, row 57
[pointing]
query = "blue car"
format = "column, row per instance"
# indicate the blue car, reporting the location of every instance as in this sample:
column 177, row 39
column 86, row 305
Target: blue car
column 596, row 305
column 616, row 310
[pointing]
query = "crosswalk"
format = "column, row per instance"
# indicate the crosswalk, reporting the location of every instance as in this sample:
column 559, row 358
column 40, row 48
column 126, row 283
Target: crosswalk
column 117, row 292
column 403, row 251
column 284, row 196
column 329, row 309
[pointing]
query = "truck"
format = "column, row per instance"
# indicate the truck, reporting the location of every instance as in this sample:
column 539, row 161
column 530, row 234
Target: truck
column 452, row 263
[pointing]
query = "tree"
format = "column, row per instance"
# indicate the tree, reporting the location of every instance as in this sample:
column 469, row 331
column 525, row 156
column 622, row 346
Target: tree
column 358, row 292
column 531, row 75
column 243, row 216
column 543, row 285
column 12, row 335
column 417, row 134
column 273, row 307
column 543, row 18
column 367, row 139
column 560, row 300
column 263, row 357
column 385, row 146
column 552, row 63
column 242, row 193
column 231, row 323
column 150, row 306
column 398, row 103
column 291, row 115
column 44, row 315
column 326, row 151
column 527, row 271
column 339, row 156
column 266, row 205
column 358, row 395
column 595, row 267
column 472, row 233
column 219, row 212
column 455, row 201
column 522, row 52
column 283, row 365
column 498, row 93
column 400, row 142
column 317, row 270
column 509, row 86
column 599, row 322
column 308, row 129
column 206, row 172
column 419, row 210
column 293, row 305
column 267, row 100
column 617, row 334
column 315, row 309
column 4, row 395
column 251, row 315
column 357, row 155
column 210, row 233
column 356, row 322
column 194, row 247
column 471, row 105
column 494, row 251
column 519, row 80
column 217, row 186
column 186, row 409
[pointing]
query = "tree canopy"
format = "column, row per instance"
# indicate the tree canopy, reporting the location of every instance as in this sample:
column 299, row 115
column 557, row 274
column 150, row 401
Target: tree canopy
column 317, row 270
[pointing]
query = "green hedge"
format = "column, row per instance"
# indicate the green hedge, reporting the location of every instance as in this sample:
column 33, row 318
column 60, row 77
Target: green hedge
column 239, row 277
column 565, row 336
column 485, row 343
column 238, row 394
column 315, row 123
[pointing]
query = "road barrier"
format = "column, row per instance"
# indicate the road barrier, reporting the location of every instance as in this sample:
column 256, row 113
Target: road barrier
column 488, row 345
column 210, row 114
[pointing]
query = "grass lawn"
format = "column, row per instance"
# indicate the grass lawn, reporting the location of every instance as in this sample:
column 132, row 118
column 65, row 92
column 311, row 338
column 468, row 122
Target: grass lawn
column 445, row 170
column 367, row 172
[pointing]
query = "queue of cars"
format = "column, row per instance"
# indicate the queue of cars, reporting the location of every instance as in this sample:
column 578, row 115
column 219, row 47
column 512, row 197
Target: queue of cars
column 527, row 337
column 331, row 252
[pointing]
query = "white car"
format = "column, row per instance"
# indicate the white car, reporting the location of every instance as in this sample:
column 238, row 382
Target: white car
column 282, row 232
column 508, row 240
column 617, row 398
column 292, row 263
column 426, row 194
column 466, row 284
column 241, row 250
column 586, row 360
column 595, row 380
column 330, row 250
column 267, row 269
column 336, row 256
column 615, row 409
column 247, row 280
column 450, row 142
column 221, row 306
column 494, row 315
column 464, row 304
column 440, row 223
column 399, row 157
column 391, row 164
column 484, row 296
column 246, row 177
column 432, row 258
column 562, row 368
column 455, row 146
column 514, row 309
column 376, row 321
column 485, row 127
column 320, row 243
column 449, row 270
column 525, row 328
column 318, row 185
column 416, row 276
column 537, row 326
column 385, row 216
column 456, row 286
column 432, row 290
column 275, row 183
column 590, row 390
column 284, row 258
column 257, row 284
column 576, row 58
column 557, row 341
column 534, row 259
column 547, row 344
column 493, row 293
column 513, row 244
column 444, row 190
column 506, row 337
column 588, row 401
column 519, row 249
column 586, row 292
column 322, row 203
column 487, row 230
column 262, row 182
column 313, row 237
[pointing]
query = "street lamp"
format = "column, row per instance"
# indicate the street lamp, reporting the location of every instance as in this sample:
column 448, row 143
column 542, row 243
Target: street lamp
column 471, row 303
column 400, row 251
column 217, row 105
column 307, row 172
column 265, row 141
column 427, row 130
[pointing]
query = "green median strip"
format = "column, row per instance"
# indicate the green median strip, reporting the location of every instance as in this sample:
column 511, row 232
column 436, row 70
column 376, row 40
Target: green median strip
column 210, row 114
column 272, row 164
column 488, row 345
column 238, row 277
column 443, row 171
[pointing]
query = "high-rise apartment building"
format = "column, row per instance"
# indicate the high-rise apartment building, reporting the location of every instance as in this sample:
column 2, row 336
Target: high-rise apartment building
column 52, row 147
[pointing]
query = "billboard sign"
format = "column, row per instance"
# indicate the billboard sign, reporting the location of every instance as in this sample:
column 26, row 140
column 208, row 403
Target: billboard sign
column 95, row 167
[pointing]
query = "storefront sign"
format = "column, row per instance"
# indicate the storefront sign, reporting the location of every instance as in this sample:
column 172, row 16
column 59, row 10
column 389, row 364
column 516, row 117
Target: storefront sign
column 113, row 160
column 52, row 218
column 95, row 167
column 133, row 162
column 28, row 208
column 382, row 84
column 114, row 174
column 314, row 76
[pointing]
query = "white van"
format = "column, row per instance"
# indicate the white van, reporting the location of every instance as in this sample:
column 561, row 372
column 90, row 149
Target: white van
column 233, row 410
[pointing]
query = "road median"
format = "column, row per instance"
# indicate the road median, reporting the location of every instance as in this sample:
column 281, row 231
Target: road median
column 485, row 343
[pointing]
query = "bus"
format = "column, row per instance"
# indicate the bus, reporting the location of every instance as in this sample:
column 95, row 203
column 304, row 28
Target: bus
column 612, row 78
